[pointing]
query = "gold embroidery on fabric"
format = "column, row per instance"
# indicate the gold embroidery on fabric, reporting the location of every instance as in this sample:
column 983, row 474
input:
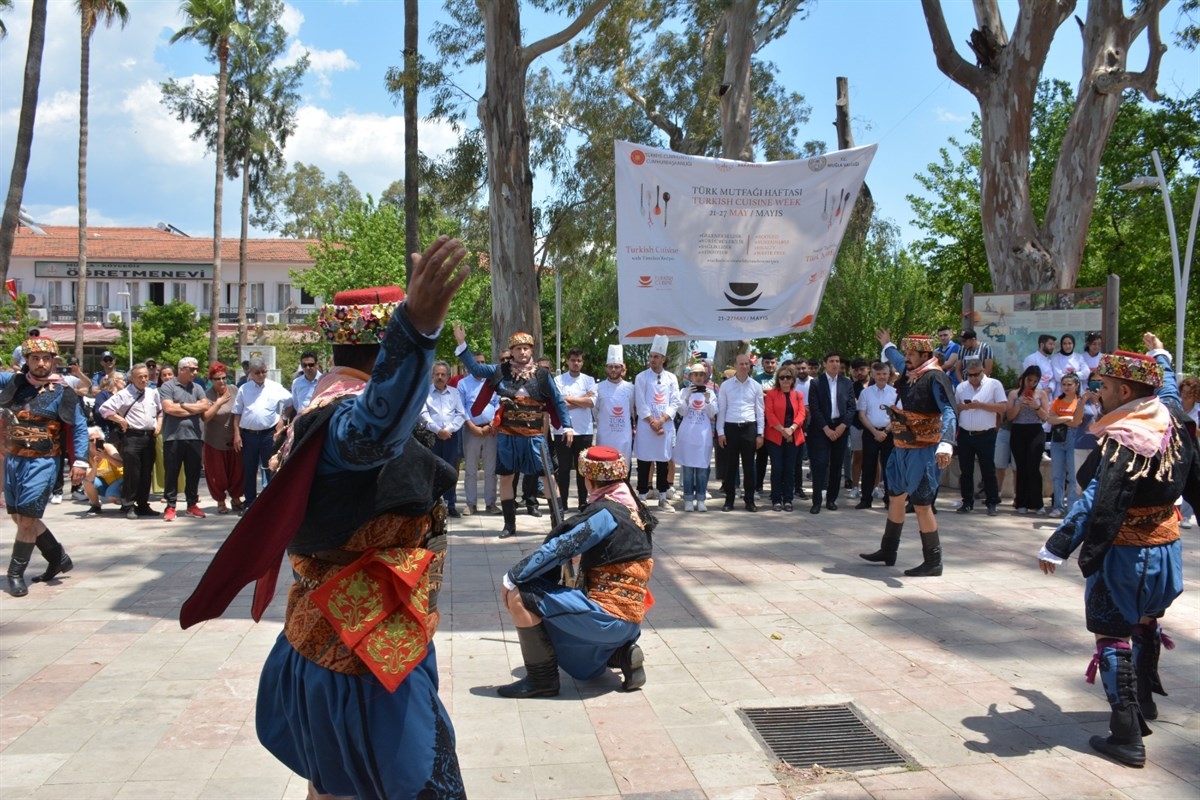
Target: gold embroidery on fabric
column 356, row 603
column 621, row 589
column 1148, row 527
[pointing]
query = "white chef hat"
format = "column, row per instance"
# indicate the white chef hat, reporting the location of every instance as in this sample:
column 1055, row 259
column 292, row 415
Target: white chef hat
column 616, row 354
column 660, row 345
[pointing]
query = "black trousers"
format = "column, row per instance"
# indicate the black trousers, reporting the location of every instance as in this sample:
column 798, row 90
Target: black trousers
column 450, row 451
column 660, row 475
column 981, row 445
column 1028, row 442
column 739, row 444
column 188, row 454
column 823, row 453
column 568, row 459
column 137, row 457
column 875, row 456
column 761, row 459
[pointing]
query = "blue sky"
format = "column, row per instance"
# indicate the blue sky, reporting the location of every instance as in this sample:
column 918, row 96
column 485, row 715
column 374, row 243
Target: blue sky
column 144, row 169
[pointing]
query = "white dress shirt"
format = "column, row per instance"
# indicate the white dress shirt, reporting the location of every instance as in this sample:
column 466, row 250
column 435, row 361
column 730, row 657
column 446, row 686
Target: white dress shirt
column 259, row 406
column 990, row 391
column 871, row 399
column 740, row 402
column 443, row 410
column 140, row 409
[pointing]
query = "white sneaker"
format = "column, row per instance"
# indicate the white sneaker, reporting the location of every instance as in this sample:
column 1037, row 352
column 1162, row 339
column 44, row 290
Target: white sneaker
column 687, row 505
column 878, row 493
column 642, row 497
column 652, row 494
column 671, row 493
column 665, row 506
column 56, row 498
column 1187, row 521
column 854, row 493
column 701, row 507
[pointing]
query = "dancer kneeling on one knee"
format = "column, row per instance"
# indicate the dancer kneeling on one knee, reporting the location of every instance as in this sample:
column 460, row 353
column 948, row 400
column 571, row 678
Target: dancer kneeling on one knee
column 595, row 624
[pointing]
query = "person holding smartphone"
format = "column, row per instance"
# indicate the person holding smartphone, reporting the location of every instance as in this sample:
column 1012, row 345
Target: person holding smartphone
column 978, row 400
column 1028, row 408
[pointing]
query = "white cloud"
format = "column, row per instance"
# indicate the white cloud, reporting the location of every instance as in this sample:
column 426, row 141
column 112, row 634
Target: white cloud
column 321, row 63
column 367, row 147
column 945, row 115
column 291, row 19
column 163, row 139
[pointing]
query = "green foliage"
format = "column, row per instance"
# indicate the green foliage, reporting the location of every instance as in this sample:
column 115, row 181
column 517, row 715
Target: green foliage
column 874, row 284
column 302, row 204
column 14, row 323
column 1128, row 233
column 168, row 333
column 367, row 250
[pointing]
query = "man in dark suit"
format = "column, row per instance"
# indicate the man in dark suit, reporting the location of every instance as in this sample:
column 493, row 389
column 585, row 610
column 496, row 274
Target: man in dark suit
column 832, row 407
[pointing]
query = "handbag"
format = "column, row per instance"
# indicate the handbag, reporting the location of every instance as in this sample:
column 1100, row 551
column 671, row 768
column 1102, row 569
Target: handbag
column 1058, row 433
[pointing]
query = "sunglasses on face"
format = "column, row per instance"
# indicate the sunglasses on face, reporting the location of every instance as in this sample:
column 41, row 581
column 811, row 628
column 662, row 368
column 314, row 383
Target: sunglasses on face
column 309, row 366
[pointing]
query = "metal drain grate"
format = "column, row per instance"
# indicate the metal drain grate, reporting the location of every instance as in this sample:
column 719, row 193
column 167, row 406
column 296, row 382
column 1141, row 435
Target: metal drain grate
column 832, row 736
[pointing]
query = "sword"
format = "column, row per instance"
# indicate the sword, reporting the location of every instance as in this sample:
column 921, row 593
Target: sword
column 556, row 516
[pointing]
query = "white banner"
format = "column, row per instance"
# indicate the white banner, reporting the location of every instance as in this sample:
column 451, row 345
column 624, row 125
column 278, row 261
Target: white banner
column 715, row 249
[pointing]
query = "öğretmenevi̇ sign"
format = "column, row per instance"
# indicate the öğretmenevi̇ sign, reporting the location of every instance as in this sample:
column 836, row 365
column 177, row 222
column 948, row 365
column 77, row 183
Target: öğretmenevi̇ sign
column 709, row 248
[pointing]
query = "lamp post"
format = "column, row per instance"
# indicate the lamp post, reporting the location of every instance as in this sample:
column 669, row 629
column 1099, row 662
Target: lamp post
column 1182, row 269
column 129, row 313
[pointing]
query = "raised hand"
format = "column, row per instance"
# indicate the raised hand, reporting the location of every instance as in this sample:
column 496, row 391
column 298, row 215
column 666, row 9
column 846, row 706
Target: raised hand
column 1151, row 341
column 435, row 276
column 460, row 333
column 883, row 335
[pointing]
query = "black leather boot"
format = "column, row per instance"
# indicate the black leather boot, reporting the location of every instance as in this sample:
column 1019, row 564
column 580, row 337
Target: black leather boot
column 541, row 665
column 931, row 549
column 531, row 508
column 1126, row 725
column 509, row 509
column 16, row 568
column 628, row 658
column 888, row 546
column 53, row 552
column 1147, row 646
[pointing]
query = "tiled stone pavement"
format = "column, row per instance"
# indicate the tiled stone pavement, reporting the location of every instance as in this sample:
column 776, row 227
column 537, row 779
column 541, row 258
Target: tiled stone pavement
column 977, row 675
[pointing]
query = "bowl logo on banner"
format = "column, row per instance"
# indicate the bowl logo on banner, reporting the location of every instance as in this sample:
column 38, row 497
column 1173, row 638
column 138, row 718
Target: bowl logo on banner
column 742, row 295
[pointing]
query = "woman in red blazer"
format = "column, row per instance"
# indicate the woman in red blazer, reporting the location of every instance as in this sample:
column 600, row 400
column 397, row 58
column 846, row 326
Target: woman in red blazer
column 784, row 433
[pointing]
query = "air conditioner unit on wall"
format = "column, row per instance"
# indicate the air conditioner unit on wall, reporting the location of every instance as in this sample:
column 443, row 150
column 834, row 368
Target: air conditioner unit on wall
column 114, row 317
column 40, row 314
column 36, row 299
column 272, row 317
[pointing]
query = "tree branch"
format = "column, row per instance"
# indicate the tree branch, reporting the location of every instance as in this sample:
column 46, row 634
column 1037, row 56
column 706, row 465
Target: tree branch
column 952, row 65
column 774, row 26
column 1145, row 81
column 674, row 132
column 554, row 40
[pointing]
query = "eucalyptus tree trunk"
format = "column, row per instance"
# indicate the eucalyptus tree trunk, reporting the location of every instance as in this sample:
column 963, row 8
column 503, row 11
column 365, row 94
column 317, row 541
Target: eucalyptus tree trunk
column 20, row 168
column 736, row 101
column 502, row 115
column 1022, row 254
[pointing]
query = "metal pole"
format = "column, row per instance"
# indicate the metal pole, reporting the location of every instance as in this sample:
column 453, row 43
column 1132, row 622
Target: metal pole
column 1180, row 287
column 129, row 328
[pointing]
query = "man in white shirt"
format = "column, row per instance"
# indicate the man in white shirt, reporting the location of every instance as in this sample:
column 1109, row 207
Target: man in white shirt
column 257, row 417
column 137, row 411
column 877, row 436
column 444, row 416
column 479, row 445
column 615, row 406
column 978, row 400
column 740, row 422
column 1041, row 358
column 579, row 393
column 304, row 385
column 656, row 395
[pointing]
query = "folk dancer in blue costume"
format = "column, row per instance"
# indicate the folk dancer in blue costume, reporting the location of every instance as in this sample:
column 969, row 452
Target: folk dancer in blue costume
column 37, row 406
column 595, row 625
column 924, row 426
column 1126, row 527
column 527, row 394
column 348, row 695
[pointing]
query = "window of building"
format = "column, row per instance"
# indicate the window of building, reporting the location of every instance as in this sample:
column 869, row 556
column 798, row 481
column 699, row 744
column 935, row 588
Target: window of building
column 179, row 291
column 258, row 292
column 283, row 296
column 102, row 298
column 307, row 299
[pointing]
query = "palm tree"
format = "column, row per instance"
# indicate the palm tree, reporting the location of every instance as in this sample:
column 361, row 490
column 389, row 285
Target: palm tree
column 91, row 12
column 29, row 99
column 213, row 23
column 5, row 5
